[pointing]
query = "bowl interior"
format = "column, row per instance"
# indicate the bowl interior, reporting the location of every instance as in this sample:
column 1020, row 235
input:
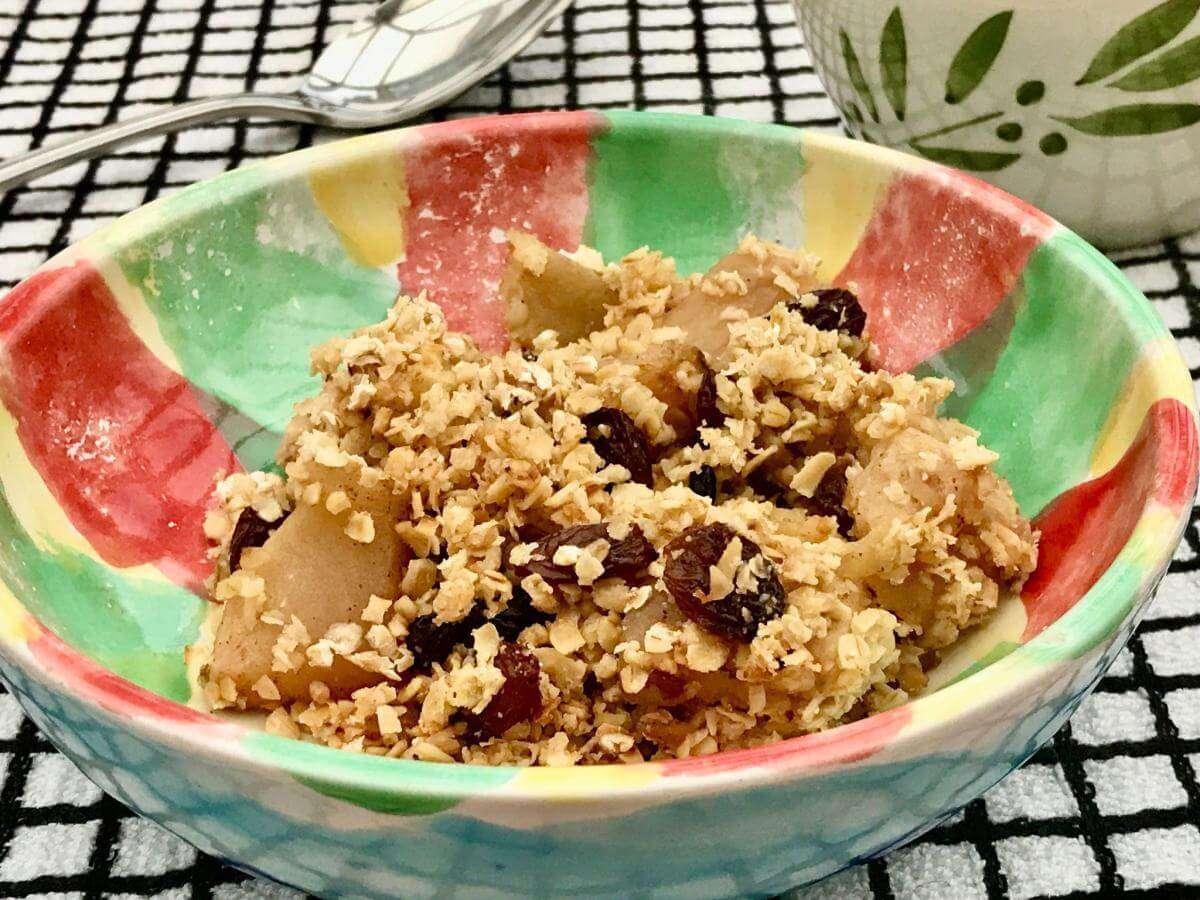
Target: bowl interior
column 169, row 347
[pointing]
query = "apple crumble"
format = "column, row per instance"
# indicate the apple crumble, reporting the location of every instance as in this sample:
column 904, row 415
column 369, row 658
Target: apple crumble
column 678, row 515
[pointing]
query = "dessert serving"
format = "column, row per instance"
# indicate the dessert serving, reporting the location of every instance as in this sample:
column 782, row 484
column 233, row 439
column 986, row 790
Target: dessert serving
column 145, row 374
column 677, row 515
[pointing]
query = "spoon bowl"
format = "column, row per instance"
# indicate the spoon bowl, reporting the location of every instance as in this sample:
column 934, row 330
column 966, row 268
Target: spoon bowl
column 408, row 56
column 405, row 57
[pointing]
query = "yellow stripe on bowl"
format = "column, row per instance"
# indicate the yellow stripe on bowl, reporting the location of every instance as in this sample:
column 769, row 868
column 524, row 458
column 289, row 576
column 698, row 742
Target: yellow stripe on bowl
column 839, row 200
column 35, row 507
column 363, row 195
column 1157, row 375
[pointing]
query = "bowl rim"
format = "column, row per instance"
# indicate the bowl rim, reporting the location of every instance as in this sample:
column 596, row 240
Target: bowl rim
column 222, row 741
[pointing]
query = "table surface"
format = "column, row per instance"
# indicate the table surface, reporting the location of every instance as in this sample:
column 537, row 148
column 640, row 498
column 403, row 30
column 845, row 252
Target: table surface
column 1112, row 802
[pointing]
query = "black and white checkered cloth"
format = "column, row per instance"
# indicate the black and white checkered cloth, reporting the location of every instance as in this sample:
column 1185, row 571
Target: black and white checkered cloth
column 1112, row 803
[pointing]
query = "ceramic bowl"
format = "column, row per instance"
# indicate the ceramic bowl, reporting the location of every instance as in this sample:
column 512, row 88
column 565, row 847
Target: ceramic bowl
column 170, row 346
column 1089, row 110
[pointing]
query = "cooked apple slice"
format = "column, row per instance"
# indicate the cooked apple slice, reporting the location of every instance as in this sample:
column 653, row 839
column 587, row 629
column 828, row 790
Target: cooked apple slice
column 660, row 369
column 919, row 494
column 546, row 290
column 313, row 570
column 754, row 277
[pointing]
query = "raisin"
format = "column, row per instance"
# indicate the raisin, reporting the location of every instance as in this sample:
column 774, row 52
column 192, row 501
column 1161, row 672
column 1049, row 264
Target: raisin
column 431, row 642
column 251, row 530
column 619, row 442
column 518, row 700
column 704, row 482
column 736, row 616
column 627, row 558
column 532, row 532
column 591, row 684
column 761, row 482
column 542, row 561
column 670, row 687
column 829, row 499
column 518, row 615
column 646, row 747
column 837, row 309
column 707, row 411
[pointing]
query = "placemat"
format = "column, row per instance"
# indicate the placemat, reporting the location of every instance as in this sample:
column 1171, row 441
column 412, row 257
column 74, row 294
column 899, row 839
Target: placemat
column 1111, row 804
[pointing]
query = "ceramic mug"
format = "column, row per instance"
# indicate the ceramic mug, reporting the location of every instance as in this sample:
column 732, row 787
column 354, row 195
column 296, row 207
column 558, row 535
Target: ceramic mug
column 1090, row 111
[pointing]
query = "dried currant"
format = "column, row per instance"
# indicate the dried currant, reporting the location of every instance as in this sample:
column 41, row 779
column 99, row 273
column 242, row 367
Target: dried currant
column 627, row 558
column 737, row 615
column 518, row 615
column 431, row 641
column 707, row 411
column 619, row 442
column 251, row 530
column 518, row 700
column 837, row 309
column 704, row 482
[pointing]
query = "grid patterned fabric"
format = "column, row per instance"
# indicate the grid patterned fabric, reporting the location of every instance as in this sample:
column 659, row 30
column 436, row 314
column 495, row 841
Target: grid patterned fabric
column 1112, row 803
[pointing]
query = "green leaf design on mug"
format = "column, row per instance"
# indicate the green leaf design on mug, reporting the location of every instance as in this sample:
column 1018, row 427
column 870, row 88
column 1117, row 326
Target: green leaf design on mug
column 974, row 160
column 1135, row 119
column 1169, row 69
column 856, row 75
column 976, row 56
column 1145, row 34
column 893, row 62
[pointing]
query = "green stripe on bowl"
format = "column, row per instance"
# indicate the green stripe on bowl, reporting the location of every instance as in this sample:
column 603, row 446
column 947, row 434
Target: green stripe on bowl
column 1072, row 345
column 267, row 260
column 998, row 652
column 970, row 362
column 692, row 187
column 1094, row 617
column 136, row 627
column 399, row 787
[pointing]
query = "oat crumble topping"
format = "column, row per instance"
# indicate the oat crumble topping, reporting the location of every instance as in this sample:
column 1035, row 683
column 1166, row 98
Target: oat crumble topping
column 677, row 516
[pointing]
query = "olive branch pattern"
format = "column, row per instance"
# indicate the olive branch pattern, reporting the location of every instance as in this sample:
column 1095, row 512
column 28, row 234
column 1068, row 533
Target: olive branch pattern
column 1132, row 43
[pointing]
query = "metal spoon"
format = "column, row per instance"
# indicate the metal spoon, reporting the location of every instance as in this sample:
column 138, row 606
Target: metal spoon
column 404, row 58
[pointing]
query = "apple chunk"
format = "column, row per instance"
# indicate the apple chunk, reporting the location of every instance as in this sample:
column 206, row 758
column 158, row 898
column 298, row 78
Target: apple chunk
column 312, row 570
column 546, row 290
column 754, row 278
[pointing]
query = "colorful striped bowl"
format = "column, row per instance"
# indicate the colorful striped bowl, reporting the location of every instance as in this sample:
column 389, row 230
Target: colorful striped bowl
column 171, row 345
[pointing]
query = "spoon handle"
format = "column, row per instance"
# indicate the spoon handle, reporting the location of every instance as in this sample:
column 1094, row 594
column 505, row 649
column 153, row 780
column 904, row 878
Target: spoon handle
column 27, row 166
